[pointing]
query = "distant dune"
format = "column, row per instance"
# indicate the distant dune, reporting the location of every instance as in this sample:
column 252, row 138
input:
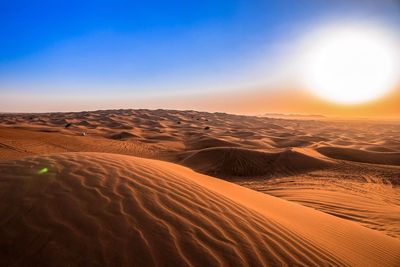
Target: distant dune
column 75, row 188
column 239, row 162
column 389, row 158
column 294, row 116
column 114, row 210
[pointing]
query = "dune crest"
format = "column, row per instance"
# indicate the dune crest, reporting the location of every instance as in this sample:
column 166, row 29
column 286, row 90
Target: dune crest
column 385, row 158
column 239, row 162
column 94, row 209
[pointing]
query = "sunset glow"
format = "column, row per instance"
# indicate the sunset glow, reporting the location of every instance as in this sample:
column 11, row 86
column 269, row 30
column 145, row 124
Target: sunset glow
column 334, row 58
column 200, row 133
column 351, row 65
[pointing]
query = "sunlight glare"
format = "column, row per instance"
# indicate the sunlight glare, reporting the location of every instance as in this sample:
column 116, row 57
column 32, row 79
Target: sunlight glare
column 350, row 65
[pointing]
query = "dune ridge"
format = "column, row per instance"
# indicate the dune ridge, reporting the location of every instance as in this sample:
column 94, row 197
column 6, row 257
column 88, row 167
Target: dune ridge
column 97, row 209
column 348, row 169
column 385, row 158
column 239, row 162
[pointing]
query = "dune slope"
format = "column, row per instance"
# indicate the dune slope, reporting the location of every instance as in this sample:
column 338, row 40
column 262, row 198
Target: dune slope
column 239, row 162
column 94, row 209
column 386, row 158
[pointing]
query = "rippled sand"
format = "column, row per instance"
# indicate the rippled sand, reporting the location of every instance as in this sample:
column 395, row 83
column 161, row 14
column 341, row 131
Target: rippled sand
column 328, row 190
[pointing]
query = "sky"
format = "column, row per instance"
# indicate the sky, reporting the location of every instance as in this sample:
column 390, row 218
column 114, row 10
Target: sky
column 207, row 55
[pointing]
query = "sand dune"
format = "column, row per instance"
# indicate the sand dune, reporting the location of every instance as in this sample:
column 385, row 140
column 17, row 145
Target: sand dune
column 122, row 136
column 201, row 142
column 343, row 175
column 234, row 162
column 114, row 210
column 389, row 158
column 15, row 144
column 368, row 199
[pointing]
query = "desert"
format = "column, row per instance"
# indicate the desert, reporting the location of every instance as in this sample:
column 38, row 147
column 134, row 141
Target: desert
column 200, row 133
column 175, row 188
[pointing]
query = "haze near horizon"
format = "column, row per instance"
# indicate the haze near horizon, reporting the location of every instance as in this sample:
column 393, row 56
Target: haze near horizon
column 231, row 56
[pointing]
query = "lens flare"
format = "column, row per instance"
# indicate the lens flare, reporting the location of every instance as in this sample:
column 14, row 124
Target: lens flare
column 43, row 170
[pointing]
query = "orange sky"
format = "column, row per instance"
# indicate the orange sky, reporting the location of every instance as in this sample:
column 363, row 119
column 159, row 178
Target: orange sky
column 251, row 101
column 288, row 101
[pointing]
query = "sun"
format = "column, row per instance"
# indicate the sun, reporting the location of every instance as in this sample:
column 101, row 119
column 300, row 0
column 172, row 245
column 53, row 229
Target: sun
column 350, row 65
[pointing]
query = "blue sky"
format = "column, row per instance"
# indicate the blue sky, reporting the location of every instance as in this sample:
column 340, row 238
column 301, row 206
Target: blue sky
column 117, row 48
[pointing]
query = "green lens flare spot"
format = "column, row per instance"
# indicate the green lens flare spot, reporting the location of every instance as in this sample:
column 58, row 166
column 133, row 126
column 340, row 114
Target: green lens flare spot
column 43, row 170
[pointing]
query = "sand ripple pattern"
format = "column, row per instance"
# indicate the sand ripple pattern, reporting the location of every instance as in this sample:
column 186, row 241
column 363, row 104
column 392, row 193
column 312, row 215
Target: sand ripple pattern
column 93, row 209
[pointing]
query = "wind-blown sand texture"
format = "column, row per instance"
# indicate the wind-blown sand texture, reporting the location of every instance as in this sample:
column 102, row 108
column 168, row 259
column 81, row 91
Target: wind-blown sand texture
column 334, row 185
column 107, row 209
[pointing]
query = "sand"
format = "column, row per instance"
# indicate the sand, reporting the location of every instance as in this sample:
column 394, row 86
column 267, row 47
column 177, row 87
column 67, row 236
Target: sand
column 259, row 191
column 108, row 209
